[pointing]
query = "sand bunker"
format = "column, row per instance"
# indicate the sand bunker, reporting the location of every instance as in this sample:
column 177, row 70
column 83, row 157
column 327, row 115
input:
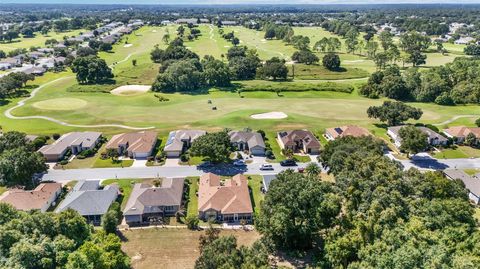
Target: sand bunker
column 269, row 116
column 127, row 45
column 129, row 90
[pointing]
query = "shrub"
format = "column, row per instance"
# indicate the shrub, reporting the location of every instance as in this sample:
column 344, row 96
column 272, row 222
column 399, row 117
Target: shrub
column 64, row 162
column 192, row 222
column 55, row 136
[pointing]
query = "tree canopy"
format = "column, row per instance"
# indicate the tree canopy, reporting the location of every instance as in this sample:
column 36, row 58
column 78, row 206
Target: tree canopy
column 394, row 112
column 215, row 146
column 91, row 69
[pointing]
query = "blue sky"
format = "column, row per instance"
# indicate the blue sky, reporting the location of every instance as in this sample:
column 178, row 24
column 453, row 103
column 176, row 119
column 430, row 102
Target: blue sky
column 165, row 2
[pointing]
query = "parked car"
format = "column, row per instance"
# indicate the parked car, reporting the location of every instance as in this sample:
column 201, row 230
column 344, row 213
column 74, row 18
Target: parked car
column 266, row 166
column 205, row 164
column 239, row 163
column 288, row 162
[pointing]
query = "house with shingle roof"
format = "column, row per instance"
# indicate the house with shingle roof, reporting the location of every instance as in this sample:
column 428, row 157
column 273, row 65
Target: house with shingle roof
column 76, row 142
column 348, row 130
column 134, row 145
column 147, row 202
column 248, row 141
column 472, row 183
column 89, row 200
column 227, row 201
column 299, row 141
column 433, row 138
column 459, row 133
column 180, row 141
column 41, row 198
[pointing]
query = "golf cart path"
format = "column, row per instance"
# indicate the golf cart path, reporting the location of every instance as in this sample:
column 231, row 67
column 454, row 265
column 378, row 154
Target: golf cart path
column 8, row 112
column 456, row 118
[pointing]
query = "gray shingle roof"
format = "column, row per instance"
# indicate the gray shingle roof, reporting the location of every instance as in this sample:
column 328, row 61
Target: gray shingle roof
column 88, row 200
column 253, row 139
column 472, row 183
column 147, row 199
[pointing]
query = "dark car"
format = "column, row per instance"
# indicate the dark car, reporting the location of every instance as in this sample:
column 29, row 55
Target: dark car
column 288, row 163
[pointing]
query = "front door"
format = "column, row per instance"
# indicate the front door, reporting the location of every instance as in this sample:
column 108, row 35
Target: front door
column 235, row 217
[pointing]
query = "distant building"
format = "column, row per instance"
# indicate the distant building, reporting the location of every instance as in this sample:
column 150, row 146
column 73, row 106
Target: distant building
column 464, row 40
column 41, row 198
column 89, row 200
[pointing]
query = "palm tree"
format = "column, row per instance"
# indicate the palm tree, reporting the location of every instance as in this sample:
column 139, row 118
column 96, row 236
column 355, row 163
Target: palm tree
column 287, row 153
column 312, row 169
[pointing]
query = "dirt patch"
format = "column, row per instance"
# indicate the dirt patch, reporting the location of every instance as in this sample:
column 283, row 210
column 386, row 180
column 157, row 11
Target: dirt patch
column 269, row 116
column 129, row 90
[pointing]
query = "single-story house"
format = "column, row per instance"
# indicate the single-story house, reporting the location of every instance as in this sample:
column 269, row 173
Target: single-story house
column 179, row 141
column 464, row 40
column 41, row 198
column 14, row 62
column 248, row 141
column 74, row 141
column 228, row 202
column 229, row 23
column 134, row 145
column 348, row 130
column 46, row 50
column 35, row 70
column 148, row 203
column 267, row 179
column 35, row 55
column 5, row 66
column 434, row 138
column 472, row 183
column 459, row 133
column 299, row 140
column 186, row 21
column 88, row 199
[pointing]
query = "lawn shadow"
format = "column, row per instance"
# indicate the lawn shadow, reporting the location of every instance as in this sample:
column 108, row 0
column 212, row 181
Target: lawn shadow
column 381, row 125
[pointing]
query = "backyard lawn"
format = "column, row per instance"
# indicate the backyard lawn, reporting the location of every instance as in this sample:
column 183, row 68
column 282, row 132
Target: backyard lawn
column 256, row 196
column 192, row 207
column 171, row 248
column 457, row 153
column 126, row 185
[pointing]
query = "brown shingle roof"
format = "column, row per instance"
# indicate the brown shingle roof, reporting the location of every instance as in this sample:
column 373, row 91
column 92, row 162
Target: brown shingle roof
column 289, row 138
column 231, row 198
column 462, row 131
column 34, row 199
column 138, row 142
column 348, row 130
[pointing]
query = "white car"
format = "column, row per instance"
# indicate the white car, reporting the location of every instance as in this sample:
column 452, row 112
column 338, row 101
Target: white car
column 239, row 163
column 266, row 166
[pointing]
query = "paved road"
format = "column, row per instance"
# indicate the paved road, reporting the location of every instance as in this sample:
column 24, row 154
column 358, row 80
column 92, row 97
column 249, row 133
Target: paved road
column 424, row 161
column 156, row 171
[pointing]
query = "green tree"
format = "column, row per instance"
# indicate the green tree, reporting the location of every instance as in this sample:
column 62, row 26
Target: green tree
column 471, row 140
column 313, row 170
column 215, row 146
column 331, row 61
column 296, row 209
column 112, row 153
column 274, row 68
column 192, row 222
column 110, row 221
column 181, row 76
column 216, row 72
column 386, row 39
column 394, row 112
column 91, row 69
column 305, row 56
column 413, row 139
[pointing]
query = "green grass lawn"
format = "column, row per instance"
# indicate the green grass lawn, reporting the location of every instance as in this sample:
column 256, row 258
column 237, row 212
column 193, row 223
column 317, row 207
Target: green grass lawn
column 2, row 189
column 458, row 152
column 192, row 206
column 100, row 163
column 37, row 41
column 126, row 186
column 256, row 196
column 313, row 110
column 307, row 72
column 193, row 160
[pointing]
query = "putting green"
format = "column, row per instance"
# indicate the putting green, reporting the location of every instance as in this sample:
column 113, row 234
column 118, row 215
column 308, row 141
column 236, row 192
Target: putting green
column 60, row 104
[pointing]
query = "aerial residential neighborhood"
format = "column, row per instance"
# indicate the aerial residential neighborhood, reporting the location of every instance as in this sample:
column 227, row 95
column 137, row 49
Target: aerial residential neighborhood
column 200, row 134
